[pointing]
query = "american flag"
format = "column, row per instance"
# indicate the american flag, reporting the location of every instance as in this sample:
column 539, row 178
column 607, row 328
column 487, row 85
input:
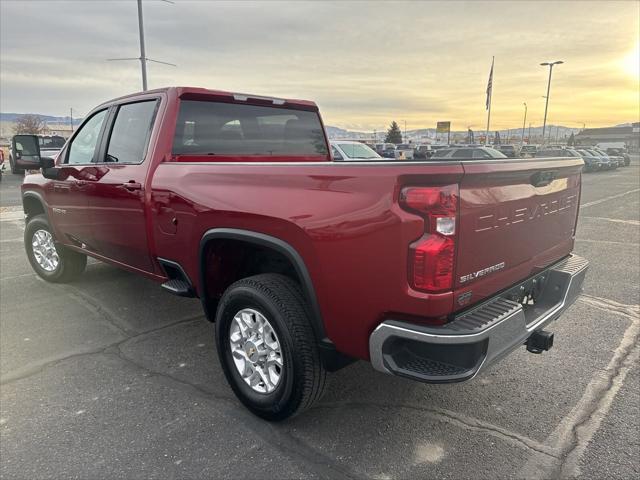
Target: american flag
column 490, row 85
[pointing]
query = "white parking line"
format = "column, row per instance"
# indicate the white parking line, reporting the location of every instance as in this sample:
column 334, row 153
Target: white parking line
column 608, row 242
column 614, row 220
column 606, row 199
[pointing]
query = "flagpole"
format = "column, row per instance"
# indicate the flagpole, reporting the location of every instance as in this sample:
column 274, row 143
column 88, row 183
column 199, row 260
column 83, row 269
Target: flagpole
column 486, row 138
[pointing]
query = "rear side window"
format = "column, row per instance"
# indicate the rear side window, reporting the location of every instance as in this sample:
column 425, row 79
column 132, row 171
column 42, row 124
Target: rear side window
column 210, row 128
column 130, row 133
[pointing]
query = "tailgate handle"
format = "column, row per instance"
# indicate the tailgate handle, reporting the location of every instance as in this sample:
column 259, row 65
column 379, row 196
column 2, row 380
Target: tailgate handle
column 541, row 179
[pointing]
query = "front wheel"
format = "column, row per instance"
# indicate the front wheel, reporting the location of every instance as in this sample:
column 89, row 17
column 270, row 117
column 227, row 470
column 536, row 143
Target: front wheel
column 267, row 347
column 52, row 262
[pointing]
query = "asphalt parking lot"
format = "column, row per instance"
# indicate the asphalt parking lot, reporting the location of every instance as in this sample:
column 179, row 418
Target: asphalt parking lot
column 112, row 377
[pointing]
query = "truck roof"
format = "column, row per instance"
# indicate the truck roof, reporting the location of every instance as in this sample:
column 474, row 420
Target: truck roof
column 199, row 91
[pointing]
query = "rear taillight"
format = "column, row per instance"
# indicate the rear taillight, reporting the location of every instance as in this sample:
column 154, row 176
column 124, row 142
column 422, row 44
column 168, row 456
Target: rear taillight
column 431, row 257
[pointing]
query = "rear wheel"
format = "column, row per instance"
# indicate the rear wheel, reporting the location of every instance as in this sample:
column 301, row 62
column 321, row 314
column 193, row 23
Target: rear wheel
column 267, row 347
column 51, row 261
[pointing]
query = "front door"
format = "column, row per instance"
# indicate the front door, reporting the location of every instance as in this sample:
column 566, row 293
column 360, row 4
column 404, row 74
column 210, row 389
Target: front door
column 117, row 195
column 71, row 190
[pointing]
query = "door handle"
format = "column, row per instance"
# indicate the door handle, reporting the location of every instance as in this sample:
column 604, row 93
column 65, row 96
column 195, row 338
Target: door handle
column 132, row 185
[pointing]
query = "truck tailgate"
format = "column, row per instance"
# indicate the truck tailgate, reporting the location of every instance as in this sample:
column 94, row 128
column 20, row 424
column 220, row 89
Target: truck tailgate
column 516, row 218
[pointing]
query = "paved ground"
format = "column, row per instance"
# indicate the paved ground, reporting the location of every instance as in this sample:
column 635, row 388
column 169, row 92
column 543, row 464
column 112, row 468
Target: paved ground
column 111, row 377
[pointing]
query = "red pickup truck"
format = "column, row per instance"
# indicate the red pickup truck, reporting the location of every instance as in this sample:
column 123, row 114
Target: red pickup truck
column 431, row 270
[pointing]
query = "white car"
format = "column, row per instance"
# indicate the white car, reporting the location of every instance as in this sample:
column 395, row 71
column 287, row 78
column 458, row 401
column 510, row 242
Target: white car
column 346, row 151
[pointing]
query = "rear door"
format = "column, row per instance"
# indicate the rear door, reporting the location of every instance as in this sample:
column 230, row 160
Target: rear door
column 516, row 218
column 117, row 199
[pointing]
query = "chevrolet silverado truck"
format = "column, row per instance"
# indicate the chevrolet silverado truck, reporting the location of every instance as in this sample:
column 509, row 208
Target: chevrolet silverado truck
column 429, row 270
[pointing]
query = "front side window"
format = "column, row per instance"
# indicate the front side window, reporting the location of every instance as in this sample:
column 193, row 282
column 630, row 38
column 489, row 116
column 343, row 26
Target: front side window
column 131, row 132
column 84, row 143
column 213, row 128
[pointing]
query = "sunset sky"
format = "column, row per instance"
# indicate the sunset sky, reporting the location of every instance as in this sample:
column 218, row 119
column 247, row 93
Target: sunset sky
column 364, row 63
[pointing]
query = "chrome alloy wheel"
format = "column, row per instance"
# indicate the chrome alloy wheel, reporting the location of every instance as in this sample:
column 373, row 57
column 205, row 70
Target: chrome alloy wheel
column 44, row 250
column 256, row 350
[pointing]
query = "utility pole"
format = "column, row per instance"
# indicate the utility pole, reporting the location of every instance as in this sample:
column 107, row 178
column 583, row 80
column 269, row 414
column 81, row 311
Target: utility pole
column 529, row 133
column 405, row 132
column 546, row 105
column 524, row 122
column 71, row 113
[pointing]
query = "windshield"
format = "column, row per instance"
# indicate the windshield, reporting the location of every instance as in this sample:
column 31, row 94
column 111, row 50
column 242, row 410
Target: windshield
column 493, row 153
column 51, row 142
column 357, row 150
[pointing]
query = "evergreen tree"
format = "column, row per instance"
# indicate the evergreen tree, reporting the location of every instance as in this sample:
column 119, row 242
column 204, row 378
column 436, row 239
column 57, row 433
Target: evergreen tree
column 571, row 141
column 394, row 135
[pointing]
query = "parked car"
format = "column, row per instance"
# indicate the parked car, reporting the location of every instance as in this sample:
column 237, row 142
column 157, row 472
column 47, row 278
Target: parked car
column 305, row 264
column 468, row 153
column 511, row 151
column 20, row 160
column 386, row 150
column 592, row 163
column 608, row 163
column 614, row 155
column 422, row 152
column 404, row 151
column 621, row 153
column 343, row 150
column 528, row 151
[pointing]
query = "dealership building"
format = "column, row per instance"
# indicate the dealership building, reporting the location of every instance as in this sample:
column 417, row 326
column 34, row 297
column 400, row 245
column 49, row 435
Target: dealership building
column 630, row 135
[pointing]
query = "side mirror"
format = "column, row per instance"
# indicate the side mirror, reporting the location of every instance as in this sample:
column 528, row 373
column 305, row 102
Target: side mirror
column 49, row 169
column 26, row 147
column 27, row 150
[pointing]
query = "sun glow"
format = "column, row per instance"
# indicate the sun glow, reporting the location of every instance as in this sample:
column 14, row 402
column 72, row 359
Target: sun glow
column 630, row 63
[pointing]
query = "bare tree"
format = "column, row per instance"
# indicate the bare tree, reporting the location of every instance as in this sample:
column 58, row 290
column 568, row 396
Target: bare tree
column 29, row 125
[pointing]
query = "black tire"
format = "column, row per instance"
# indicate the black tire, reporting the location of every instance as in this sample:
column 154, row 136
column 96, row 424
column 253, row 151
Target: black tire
column 281, row 302
column 70, row 265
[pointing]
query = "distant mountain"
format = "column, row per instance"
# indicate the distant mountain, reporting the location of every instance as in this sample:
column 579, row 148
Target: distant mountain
column 12, row 117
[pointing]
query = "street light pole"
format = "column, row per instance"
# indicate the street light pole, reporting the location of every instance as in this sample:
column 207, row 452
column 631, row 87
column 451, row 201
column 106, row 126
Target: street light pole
column 143, row 55
column 546, row 105
column 524, row 122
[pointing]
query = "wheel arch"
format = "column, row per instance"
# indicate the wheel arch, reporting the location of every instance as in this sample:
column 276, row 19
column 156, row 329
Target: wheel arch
column 271, row 243
column 33, row 204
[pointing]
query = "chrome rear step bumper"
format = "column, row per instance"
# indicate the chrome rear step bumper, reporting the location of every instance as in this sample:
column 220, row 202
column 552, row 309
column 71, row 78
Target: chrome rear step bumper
column 473, row 340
